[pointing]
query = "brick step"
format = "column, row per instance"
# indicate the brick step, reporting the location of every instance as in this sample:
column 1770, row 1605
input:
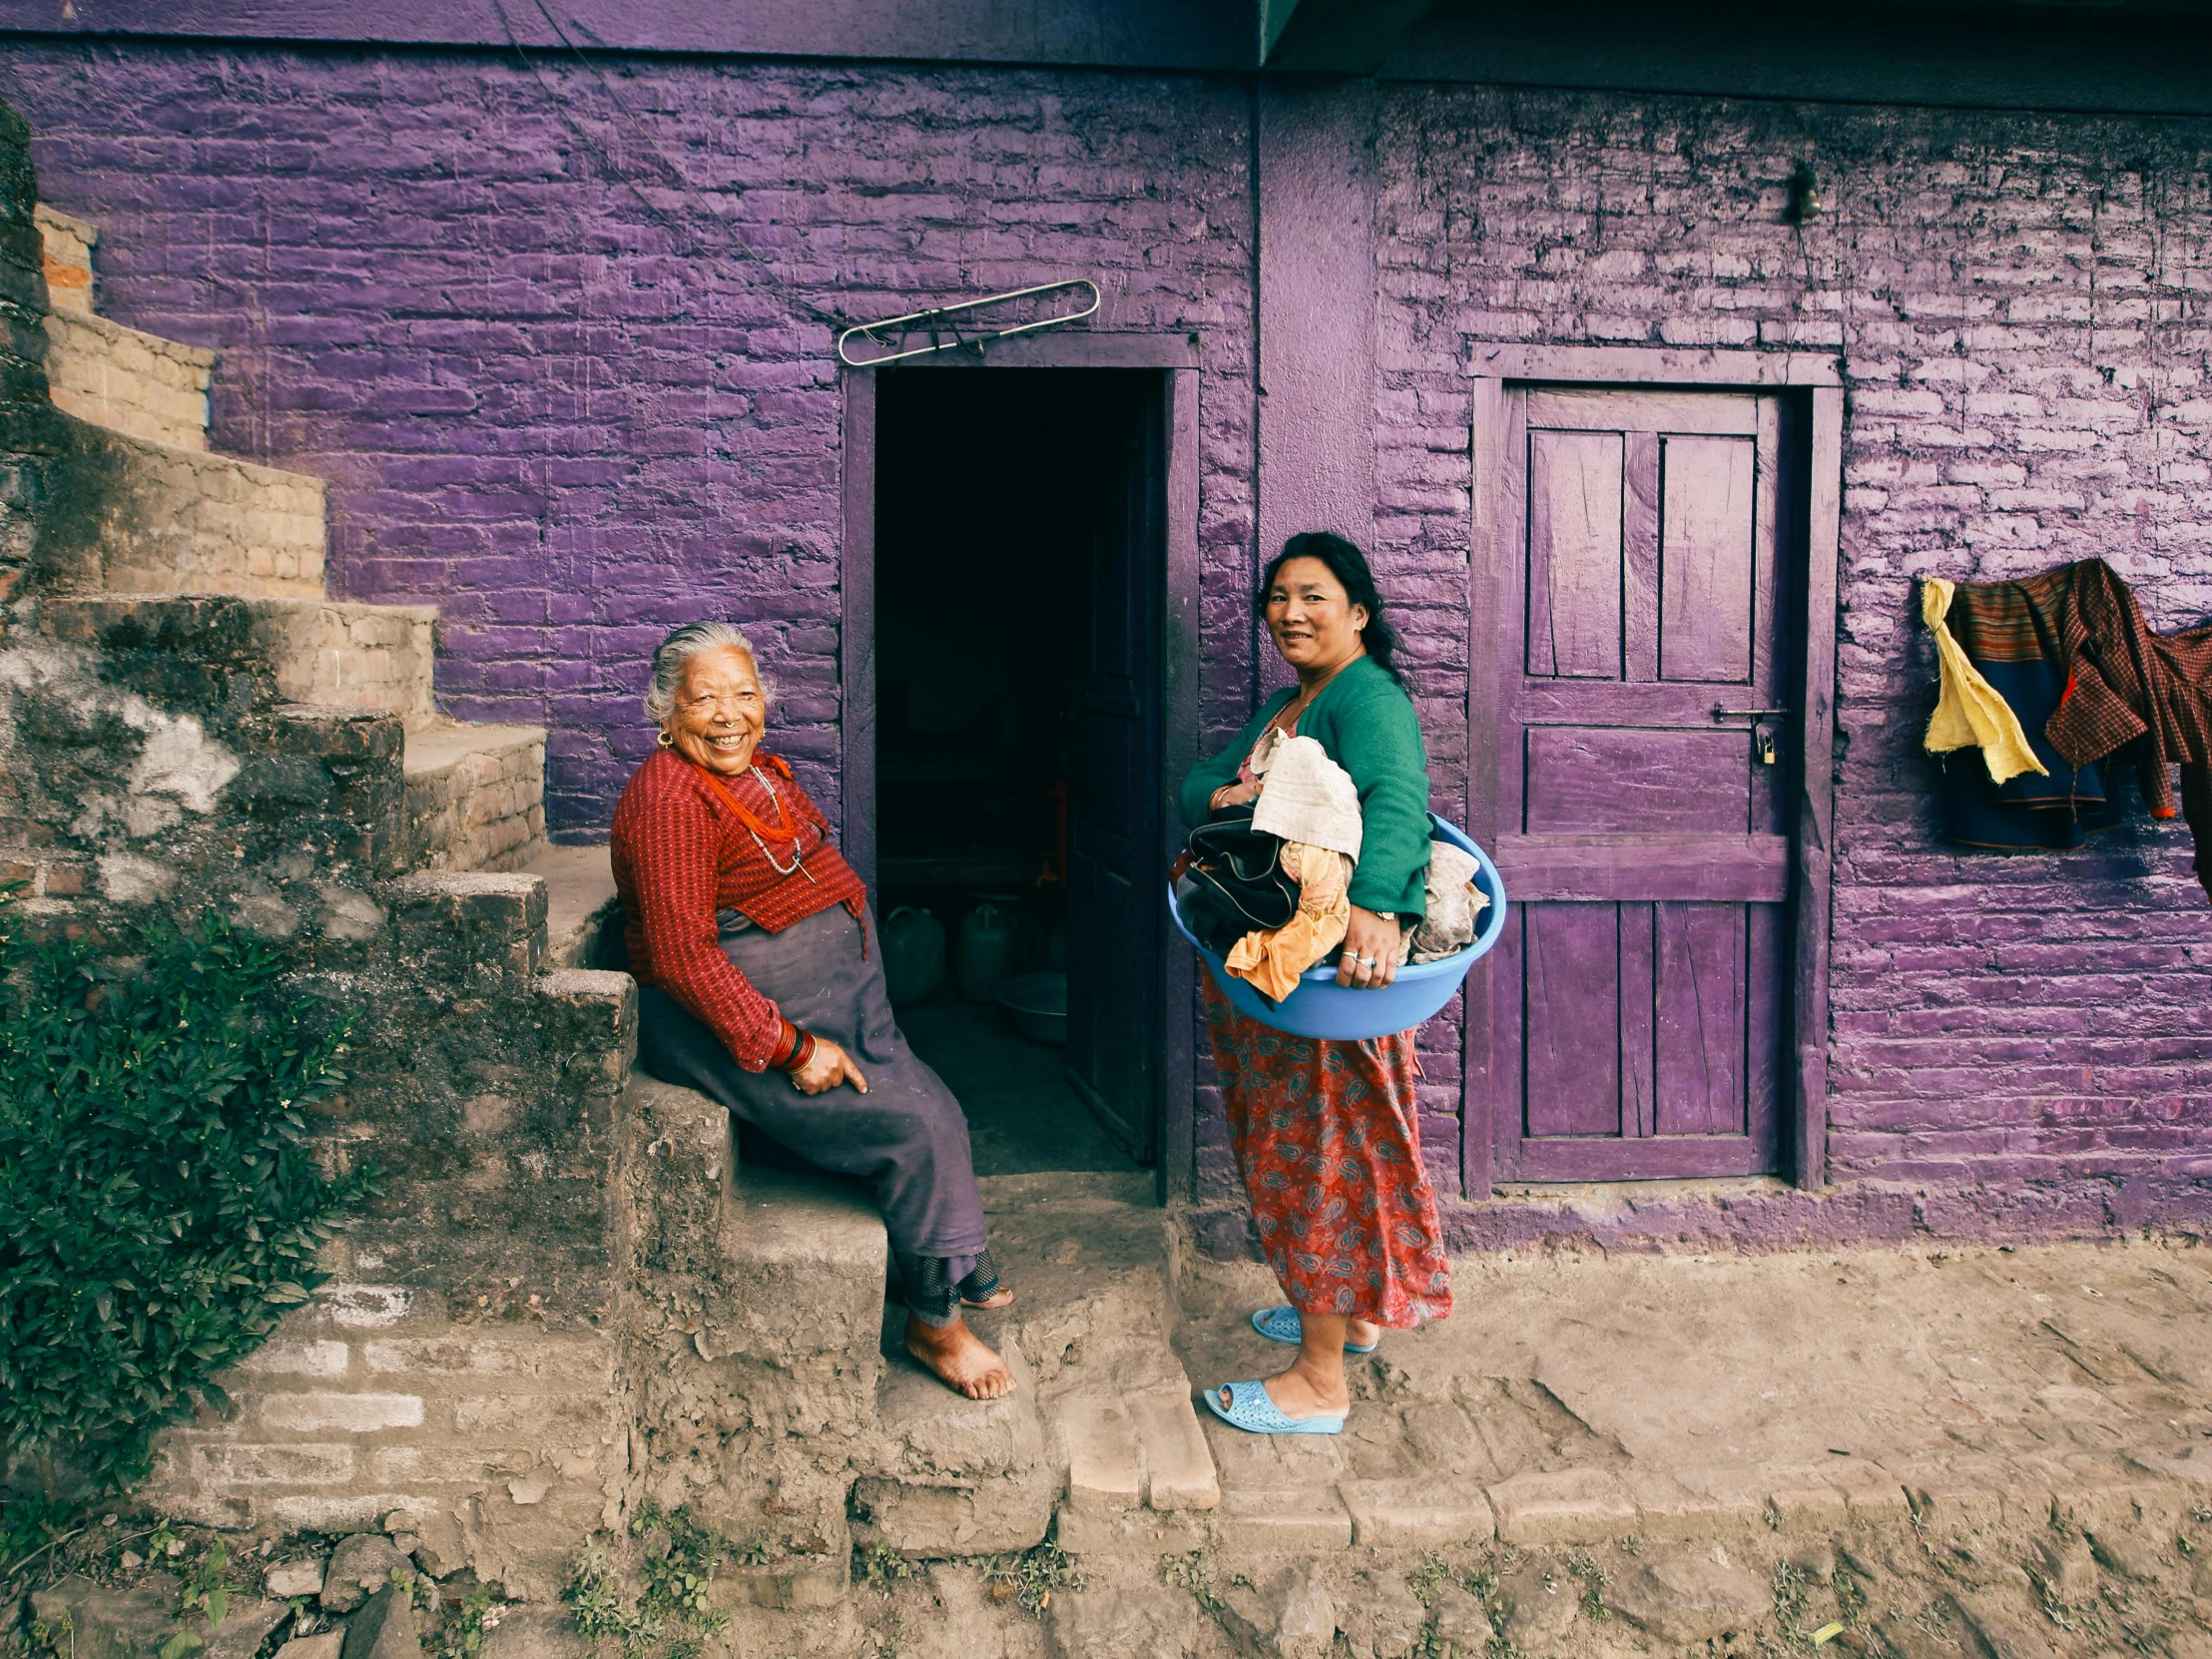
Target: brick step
column 475, row 796
column 128, row 381
column 66, row 249
column 149, row 518
column 214, row 651
column 580, row 902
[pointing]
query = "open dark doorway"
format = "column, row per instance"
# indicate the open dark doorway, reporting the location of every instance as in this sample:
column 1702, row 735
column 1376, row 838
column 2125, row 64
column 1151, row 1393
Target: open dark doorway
column 1019, row 566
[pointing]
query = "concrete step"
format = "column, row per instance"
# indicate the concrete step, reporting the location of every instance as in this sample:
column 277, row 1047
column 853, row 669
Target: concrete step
column 211, row 651
column 580, row 902
column 128, row 381
column 149, row 518
column 475, row 796
column 471, row 928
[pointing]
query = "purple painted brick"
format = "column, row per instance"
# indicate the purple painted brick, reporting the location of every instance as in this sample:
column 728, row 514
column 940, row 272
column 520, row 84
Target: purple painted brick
column 572, row 429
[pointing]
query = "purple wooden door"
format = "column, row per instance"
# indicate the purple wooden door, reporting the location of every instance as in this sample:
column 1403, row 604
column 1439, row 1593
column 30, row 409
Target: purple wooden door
column 1641, row 789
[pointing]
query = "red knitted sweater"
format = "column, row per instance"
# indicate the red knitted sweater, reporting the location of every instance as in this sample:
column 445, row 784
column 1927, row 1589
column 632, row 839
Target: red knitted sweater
column 681, row 855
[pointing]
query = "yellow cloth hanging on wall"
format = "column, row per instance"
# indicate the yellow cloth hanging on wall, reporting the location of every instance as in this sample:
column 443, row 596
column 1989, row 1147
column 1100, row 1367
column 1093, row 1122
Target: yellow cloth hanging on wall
column 1970, row 712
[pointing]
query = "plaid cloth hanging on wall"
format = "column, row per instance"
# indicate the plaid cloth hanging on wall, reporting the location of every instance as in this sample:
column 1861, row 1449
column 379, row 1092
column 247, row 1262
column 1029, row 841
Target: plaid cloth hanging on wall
column 2070, row 649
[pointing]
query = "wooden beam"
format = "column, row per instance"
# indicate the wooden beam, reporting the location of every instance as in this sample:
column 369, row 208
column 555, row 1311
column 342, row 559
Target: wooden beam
column 1342, row 37
column 1108, row 34
column 1478, row 1106
column 1816, row 748
column 856, row 636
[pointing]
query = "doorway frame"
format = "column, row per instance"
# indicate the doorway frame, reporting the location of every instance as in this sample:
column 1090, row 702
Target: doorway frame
column 1175, row 358
column 1813, row 381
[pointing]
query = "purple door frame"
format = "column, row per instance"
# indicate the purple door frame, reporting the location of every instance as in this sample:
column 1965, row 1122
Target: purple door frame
column 1176, row 358
column 1816, row 382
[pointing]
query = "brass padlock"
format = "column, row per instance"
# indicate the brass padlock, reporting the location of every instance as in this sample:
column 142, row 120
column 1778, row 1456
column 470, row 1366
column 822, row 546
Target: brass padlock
column 1768, row 754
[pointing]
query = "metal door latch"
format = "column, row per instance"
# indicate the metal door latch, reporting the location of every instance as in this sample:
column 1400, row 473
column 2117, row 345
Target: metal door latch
column 1762, row 734
column 1722, row 710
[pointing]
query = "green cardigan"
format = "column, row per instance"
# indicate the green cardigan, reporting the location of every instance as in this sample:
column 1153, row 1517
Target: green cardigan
column 1368, row 726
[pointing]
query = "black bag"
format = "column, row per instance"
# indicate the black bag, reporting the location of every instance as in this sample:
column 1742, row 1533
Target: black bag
column 1237, row 884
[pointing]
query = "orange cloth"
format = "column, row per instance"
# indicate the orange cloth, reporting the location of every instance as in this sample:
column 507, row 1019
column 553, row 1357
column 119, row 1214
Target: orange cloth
column 1272, row 961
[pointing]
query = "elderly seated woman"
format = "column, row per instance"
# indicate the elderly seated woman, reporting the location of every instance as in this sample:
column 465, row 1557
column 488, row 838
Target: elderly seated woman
column 750, row 938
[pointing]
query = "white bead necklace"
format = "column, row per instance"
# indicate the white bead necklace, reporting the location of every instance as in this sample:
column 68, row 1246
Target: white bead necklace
column 776, row 800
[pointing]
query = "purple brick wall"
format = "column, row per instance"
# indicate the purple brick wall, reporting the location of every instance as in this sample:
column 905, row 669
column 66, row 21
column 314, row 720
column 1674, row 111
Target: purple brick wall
column 544, row 411
column 2020, row 304
column 572, row 419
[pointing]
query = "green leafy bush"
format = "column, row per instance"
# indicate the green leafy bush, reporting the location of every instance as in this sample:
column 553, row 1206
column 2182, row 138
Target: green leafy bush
column 158, row 1205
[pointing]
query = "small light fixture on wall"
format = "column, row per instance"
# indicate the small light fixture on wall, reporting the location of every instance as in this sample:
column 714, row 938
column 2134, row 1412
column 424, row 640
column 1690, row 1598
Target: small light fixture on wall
column 1805, row 195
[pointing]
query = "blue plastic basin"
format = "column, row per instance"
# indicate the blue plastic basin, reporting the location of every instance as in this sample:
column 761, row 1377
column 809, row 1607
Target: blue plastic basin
column 1319, row 1007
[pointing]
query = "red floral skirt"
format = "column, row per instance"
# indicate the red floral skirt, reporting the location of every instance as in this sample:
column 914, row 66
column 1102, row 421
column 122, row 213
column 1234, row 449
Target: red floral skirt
column 1326, row 1138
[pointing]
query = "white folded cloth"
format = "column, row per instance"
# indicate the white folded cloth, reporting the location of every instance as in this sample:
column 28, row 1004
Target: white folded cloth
column 1305, row 795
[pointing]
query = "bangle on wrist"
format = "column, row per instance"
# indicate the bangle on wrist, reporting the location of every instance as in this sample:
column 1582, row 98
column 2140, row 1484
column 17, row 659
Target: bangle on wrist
column 795, row 1049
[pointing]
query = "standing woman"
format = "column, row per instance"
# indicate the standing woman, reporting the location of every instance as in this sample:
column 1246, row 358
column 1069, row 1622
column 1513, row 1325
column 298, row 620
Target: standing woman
column 1326, row 1132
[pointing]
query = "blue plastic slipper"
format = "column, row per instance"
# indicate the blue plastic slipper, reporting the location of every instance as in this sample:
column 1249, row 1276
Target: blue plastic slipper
column 1280, row 1324
column 1250, row 1410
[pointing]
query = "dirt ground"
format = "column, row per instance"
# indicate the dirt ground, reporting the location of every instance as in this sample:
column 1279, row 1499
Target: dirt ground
column 2041, row 1408
column 2034, row 1415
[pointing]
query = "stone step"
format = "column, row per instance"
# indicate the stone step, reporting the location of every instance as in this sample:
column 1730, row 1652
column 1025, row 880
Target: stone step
column 1126, row 1450
column 470, row 927
column 580, row 902
column 208, row 651
column 128, row 381
column 475, row 796
column 148, row 517
column 964, row 1476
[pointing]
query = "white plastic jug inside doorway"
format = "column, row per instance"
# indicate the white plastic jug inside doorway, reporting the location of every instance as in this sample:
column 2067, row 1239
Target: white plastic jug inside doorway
column 913, row 955
column 987, row 947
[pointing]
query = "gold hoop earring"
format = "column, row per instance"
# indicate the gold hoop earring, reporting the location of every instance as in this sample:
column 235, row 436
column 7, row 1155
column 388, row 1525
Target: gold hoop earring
column 665, row 740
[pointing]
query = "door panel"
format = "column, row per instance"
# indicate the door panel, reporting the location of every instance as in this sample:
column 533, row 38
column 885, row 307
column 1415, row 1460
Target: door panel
column 1698, row 1018
column 1638, row 1003
column 1115, row 1011
column 1705, row 555
column 1574, row 1004
column 1636, row 780
column 1574, row 551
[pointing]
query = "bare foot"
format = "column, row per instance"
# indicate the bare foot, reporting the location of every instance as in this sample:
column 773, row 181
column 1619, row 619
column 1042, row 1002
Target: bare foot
column 1296, row 1398
column 1003, row 1297
column 1359, row 1332
column 959, row 1358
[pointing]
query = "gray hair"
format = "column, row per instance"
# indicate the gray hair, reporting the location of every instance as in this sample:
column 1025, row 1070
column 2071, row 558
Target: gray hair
column 674, row 654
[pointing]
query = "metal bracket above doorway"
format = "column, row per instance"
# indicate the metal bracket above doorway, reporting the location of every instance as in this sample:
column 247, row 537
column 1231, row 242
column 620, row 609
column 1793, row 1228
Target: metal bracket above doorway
column 939, row 323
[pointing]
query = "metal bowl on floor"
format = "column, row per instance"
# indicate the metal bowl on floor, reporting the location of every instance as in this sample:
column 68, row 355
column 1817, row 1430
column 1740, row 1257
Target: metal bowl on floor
column 1038, row 1003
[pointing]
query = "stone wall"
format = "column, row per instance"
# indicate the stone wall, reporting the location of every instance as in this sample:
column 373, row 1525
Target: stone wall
column 29, row 434
column 569, row 419
column 462, row 1370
